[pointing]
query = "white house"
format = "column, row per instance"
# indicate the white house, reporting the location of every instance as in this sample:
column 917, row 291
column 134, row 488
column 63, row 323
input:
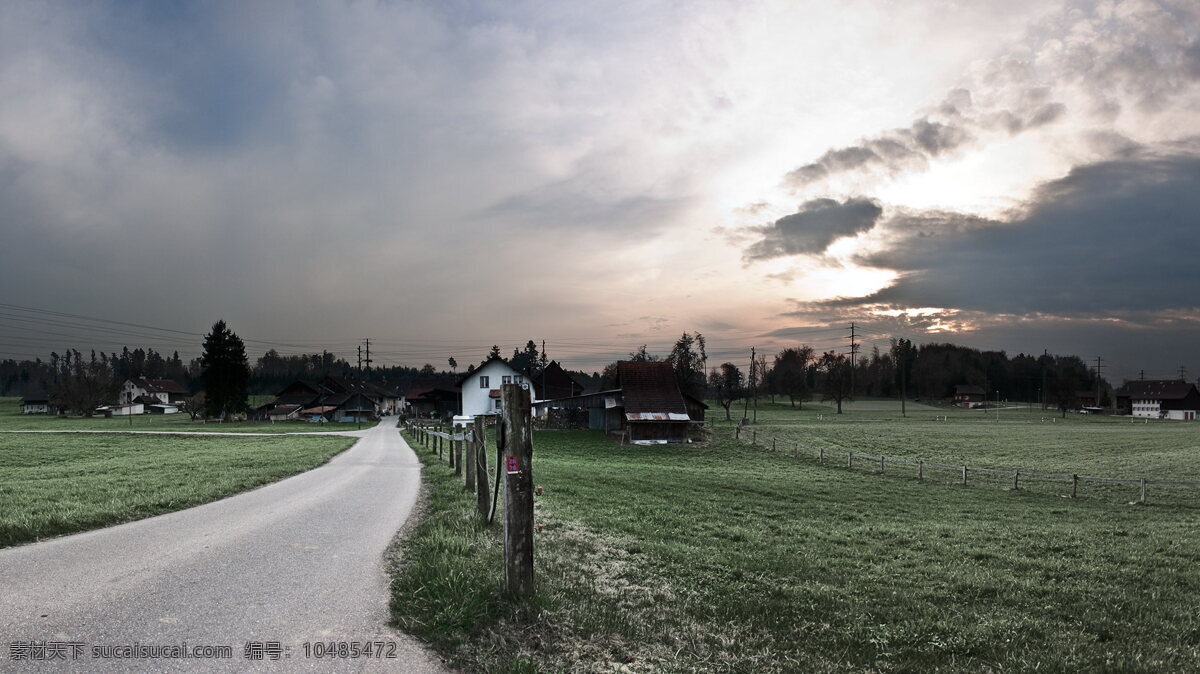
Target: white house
column 36, row 403
column 167, row 392
column 481, row 388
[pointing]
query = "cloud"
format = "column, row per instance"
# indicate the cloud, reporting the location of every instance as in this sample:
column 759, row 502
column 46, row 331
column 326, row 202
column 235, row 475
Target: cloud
column 813, row 228
column 1112, row 236
column 1100, row 60
column 893, row 151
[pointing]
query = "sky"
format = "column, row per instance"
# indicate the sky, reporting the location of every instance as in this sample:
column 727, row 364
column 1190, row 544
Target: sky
column 442, row 176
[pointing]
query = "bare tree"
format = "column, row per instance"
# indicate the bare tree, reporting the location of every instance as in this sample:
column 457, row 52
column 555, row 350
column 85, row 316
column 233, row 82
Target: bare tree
column 790, row 374
column 838, row 384
column 725, row 385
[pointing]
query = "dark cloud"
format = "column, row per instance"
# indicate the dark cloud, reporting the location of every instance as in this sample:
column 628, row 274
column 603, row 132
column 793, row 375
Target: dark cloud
column 813, row 228
column 893, row 151
column 1113, row 236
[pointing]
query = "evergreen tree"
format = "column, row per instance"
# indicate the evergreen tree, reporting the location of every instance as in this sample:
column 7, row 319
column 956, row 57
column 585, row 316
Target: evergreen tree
column 225, row 372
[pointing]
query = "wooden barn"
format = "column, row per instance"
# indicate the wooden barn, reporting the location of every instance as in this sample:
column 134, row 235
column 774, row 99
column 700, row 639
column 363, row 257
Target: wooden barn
column 648, row 406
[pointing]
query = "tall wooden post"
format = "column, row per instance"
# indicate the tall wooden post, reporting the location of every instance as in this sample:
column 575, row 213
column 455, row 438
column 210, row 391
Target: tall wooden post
column 518, row 489
column 469, row 439
column 458, row 450
column 481, row 472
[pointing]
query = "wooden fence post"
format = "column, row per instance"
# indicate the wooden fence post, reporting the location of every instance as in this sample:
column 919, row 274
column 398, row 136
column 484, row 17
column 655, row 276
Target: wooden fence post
column 821, row 459
column 478, row 436
column 964, row 475
column 1074, row 485
column 850, row 460
column 772, row 444
column 920, row 469
column 469, row 440
column 518, row 490
column 458, row 450
column 881, row 464
column 1143, row 500
column 754, row 437
column 1016, row 480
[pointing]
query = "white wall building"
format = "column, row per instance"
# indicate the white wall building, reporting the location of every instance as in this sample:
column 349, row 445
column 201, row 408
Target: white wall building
column 481, row 388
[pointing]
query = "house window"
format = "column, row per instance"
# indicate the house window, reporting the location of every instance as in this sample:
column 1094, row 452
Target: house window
column 519, row 379
column 507, row 379
column 483, row 382
column 497, row 403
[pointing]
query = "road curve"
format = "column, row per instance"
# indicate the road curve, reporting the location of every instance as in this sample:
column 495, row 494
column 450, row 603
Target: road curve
column 296, row 562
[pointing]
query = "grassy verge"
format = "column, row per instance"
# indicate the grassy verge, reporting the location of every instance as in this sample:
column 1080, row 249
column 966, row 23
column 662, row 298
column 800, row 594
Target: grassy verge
column 721, row 558
column 62, row 483
column 11, row 419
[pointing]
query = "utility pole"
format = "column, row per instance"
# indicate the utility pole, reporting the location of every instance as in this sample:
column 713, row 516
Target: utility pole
column 367, row 360
column 360, row 357
column 755, row 369
column 1183, row 373
column 1045, row 352
column 1099, row 360
column 745, row 405
column 853, row 357
column 1141, row 375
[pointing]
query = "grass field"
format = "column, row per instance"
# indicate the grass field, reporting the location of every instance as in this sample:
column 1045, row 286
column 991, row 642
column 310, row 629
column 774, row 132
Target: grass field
column 11, row 419
column 721, row 558
column 60, row 483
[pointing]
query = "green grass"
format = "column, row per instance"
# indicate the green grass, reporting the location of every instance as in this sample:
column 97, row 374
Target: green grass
column 1084, row 445
column 724, row 558
column 11, row 419
column 56, row 484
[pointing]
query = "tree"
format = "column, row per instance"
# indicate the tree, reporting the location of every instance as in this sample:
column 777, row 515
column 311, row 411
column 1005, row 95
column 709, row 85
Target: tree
column 790, row 375
column 527, row 360
column 494, row 353
column 225, row 372
column 903, row 354
column 83, row 386
column 195, row 406
column 453, row 364
column 725, row 385
column 837, row 368
column 687, row 359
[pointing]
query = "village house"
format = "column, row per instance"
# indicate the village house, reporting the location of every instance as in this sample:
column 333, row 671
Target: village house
column 153, row 391
column 968, row 395
column 648, row 406
column 1160, row 399
column 331, row 399
column 36, row 402
column 481, row 387
column 432, row 401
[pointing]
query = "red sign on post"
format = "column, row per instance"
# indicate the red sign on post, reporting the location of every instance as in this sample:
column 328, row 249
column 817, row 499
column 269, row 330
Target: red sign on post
column 512, row 464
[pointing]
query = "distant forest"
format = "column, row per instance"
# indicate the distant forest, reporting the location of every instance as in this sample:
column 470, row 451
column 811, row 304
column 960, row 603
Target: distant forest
column 928, row 371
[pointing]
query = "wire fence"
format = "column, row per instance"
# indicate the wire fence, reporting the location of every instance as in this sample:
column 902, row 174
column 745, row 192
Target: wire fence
column 1073, row 485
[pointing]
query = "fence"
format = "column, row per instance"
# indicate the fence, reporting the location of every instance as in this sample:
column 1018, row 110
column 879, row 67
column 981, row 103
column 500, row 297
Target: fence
column 1014, row 479
column 513, row 468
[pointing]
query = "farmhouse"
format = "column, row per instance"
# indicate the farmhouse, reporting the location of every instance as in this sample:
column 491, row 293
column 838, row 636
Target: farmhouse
column 36, row 402
column 333, row 399
column 968, row 395
column 649, row 406
column 481, row 387
column 1160, row 399
column 163, row 391
column 427, row 401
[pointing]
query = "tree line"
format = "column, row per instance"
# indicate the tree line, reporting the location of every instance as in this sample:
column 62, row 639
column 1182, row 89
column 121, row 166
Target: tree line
column 928, row 372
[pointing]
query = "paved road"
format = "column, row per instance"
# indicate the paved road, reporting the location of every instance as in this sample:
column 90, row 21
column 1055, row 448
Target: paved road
column 297, row 561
